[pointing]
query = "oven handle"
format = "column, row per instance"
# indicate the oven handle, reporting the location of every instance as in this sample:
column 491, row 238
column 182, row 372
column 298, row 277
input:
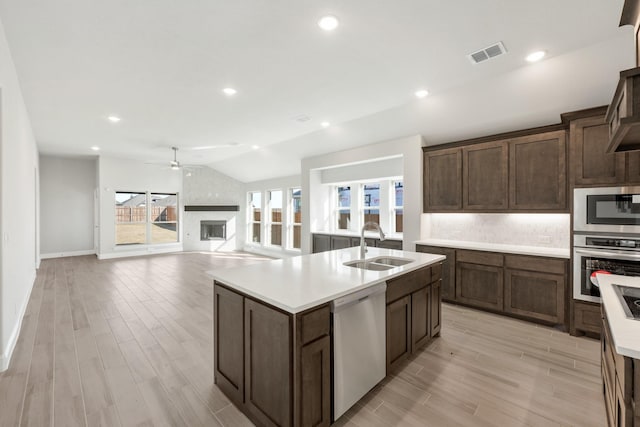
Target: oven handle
column 617, row 255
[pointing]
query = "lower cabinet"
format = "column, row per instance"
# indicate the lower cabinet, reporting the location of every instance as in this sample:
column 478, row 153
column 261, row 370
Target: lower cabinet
column 586, row 317
column 257, row 346
column 413, row 313
column 330, row 242
column 340, row 242
column 448, row 269
column 620, row 386
column 321, row 243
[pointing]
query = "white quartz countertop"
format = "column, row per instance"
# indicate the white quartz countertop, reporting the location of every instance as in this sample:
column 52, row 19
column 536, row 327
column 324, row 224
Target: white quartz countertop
column 302, row 282
column 497, row 247
column 625, row 332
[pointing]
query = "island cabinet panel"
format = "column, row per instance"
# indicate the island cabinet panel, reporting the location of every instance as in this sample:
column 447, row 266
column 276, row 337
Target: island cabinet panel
column 315, row 387
column 398, row 332
column 591, row 164
column 420, row 319
column 442, row 180
column 268, row 344
column 537, row 172
column 485, row 172
column 448, row 269
column 321, row 243
column 229, row 341
column 436, row 308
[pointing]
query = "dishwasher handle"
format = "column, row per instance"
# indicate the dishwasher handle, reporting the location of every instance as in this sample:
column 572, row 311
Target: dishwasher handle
column 357, row 297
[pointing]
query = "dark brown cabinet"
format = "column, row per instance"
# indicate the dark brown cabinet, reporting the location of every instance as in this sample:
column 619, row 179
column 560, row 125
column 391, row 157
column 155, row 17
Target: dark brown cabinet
column 448, row 282
column 330, row 242
column 535, row 287
column 484, row 176
column 257, row 346
column 479, row 279
column 340, row 242
column 412, row 309
column 389, row 244
column 442, row 177
column 586, row 317
column 591, row 164
column 321, row 243
column 538, row 172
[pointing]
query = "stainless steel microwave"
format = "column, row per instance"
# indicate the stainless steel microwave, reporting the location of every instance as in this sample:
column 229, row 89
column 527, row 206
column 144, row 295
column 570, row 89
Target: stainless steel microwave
column 607, row 209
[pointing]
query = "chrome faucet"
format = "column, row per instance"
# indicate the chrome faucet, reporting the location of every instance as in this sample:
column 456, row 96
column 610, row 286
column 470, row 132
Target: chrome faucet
column 363, row 244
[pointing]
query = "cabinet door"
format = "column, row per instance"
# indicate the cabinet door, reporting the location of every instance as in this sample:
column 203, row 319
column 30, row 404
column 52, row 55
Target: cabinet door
column 538, row 172
column 623, row 410
column 448, row 283
column 389, row 244
column 484, row 179
column 586, row 317
column 267, row 362
column 321, row 243
column 535, row 294
column 442, row 180
column 479, row 285
column 591, row 164
column 398, row 332
column 340, row 242
column 633, row 167
column 315, row 390
column 436, row 308
column 228, row 343
column 420, row 317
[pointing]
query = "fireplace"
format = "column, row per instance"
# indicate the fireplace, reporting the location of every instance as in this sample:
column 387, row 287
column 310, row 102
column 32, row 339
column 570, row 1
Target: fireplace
column 213, row 230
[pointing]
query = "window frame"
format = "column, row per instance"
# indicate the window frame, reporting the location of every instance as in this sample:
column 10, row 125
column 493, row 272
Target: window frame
column 269, row 223
column 338, row 209
column 291, row 223
column 251, row 220
column 363, row 207
column 395, row 207
column 148, row 222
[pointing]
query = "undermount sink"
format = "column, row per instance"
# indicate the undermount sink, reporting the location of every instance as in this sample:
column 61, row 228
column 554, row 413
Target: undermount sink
column 378, row 264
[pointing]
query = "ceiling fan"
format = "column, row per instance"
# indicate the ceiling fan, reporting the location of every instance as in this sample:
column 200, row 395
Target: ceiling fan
column 175, row 163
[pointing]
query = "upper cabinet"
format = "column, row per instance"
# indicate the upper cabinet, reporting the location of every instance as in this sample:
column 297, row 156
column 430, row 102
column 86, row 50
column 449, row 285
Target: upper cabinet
column 442, row 180
column 484, row 176
column 524, row 172
column 623, row 115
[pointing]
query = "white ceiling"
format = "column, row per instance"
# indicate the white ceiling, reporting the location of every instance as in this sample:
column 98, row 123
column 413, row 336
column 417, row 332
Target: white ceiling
column 161, row 66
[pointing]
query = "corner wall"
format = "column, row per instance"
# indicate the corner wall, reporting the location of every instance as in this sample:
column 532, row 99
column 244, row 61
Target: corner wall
column 18, row 205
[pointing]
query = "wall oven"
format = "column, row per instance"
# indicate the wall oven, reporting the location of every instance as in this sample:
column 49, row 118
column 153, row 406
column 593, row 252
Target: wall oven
column 607, row 210
column 602, row 254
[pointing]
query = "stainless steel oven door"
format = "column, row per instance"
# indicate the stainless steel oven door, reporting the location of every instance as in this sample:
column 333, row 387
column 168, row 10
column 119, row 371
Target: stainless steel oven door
column 587, row 261
column 607, row 209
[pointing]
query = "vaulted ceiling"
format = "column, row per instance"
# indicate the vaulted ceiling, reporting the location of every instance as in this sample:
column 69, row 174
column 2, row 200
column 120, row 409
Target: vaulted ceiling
column 161, row 65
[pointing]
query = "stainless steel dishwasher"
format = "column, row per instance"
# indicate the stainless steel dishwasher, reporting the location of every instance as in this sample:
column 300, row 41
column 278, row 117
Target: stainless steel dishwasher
column 359, row 350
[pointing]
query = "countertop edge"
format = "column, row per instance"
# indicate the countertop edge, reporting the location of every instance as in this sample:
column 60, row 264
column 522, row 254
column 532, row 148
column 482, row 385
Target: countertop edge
column 624, row 331
column 498, row 247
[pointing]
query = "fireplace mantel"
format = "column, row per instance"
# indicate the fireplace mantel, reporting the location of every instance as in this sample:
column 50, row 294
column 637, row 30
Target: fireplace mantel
column 211, row 208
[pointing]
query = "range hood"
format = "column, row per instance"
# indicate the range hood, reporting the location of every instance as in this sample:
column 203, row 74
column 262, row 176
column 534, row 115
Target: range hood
column 623, row 115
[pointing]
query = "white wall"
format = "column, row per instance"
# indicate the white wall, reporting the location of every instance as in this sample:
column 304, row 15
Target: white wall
column 206, row 186
column 315, row 196
column 129, row 175
column 18, row 205
column 284, row 184
column 66, row 201
column 385, row 168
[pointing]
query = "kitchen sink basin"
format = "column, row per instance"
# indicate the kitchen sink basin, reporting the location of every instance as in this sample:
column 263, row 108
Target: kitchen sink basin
column 378, row 264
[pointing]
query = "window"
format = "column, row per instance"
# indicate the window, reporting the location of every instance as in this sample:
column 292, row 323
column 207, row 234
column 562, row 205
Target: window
column 144, row 218
column 275, row 217
column 398, row 210
column 255, row 204
column 371, row 203
column 295, row 218
column 343, row 212
column 131, row 218
column 164, row 218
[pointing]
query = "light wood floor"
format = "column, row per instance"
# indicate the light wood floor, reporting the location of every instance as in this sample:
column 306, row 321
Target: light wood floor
column 129, row 342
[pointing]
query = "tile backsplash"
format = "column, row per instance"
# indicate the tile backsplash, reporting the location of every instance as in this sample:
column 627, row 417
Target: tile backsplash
column 546, row 230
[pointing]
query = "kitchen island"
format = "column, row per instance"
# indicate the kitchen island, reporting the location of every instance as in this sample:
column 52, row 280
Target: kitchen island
column 272, row 326
column 620, row 348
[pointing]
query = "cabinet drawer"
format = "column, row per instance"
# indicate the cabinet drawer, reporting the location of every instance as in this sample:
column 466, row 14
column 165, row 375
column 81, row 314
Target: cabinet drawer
column 408, row 283
column 315, row 324
column 532, row 263
column 436, row 272
column 478, row 257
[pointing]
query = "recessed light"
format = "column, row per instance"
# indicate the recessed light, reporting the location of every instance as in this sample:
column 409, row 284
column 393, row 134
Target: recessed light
column 325, row 124
column 255, row 147
column 95, row 148
column 229, row 91
column 328, row 23
column 114, row 119
column 536, row 56
column 421, row 93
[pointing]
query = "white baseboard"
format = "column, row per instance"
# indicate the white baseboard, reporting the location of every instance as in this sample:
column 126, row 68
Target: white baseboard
column 67, row 254
column 5, row 357
column 140, row 252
